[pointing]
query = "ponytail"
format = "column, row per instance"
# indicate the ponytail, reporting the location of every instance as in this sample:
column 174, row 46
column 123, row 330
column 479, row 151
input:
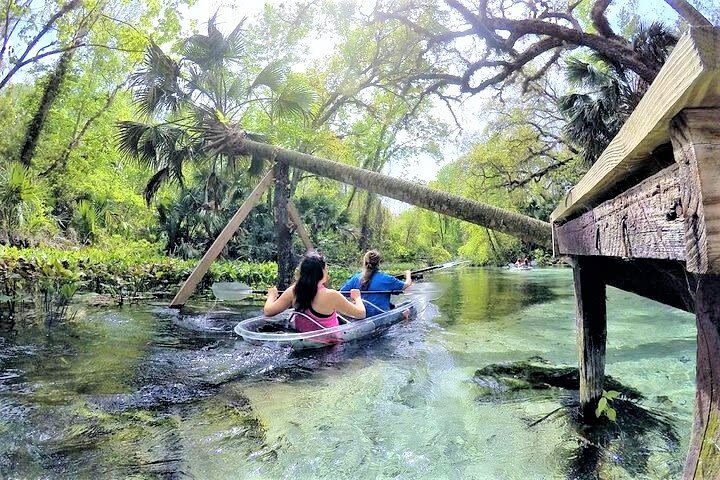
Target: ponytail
column 371, row 264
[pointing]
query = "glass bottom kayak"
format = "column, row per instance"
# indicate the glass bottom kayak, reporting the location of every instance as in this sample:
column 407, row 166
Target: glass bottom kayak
column 279, row 330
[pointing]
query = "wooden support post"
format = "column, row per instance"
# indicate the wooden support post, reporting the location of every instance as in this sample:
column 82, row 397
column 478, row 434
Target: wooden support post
column 299, row 226
column 591, row 325
column 695, row 134
column 703, row 460
column 192, row 281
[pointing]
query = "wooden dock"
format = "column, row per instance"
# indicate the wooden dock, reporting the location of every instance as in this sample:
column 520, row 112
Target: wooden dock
column 646, row 218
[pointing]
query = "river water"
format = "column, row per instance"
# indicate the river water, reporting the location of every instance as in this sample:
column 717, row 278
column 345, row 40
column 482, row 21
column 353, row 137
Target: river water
column 144, row 392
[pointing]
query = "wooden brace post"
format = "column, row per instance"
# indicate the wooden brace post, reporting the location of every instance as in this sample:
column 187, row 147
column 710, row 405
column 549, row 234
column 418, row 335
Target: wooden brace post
column 591, row 331
column 201, row 269
column 695, row 135
column 299, row 226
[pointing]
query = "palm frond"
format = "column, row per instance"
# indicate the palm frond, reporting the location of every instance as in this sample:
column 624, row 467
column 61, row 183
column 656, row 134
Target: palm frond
column 235, row 39
column 295, row 99
column 272, row 76
column 129, row 137
column 654, row 41
column 213, row 51
column 155, row 86
column 154, row 184
column 581, row 73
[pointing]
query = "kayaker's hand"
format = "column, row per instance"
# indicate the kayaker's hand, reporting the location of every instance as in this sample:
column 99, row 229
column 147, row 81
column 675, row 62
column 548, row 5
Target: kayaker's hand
column 273, row 293
column 408, row 279
column 355, row 294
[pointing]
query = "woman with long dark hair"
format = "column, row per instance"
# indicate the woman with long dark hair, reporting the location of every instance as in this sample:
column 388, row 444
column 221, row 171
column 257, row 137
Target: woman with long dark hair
column 371, row 278
column 318, row 306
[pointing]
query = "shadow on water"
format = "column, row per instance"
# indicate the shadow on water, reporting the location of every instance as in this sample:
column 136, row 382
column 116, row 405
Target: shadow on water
column 626, row 443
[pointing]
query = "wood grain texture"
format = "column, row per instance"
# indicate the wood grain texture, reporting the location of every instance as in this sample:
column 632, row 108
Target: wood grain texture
column 703, row 460
column 643, row 222
column 696, row 143
column 689, row 78
column 591, row 331
column 202, row 267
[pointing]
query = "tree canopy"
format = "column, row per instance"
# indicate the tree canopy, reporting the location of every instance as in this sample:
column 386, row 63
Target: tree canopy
column 126, row 115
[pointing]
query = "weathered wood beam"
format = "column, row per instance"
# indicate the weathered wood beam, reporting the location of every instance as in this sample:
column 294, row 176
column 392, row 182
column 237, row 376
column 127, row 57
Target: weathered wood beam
column 703, row 460
column 664, row 281
column 202, row 267
column 299, row 226
column 591, row 331
column 689, row 78
column 643, row 222
column 695, row 135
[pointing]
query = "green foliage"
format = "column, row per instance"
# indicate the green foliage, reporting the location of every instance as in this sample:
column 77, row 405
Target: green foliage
column 121, row 269
column 484, row 174
column 19, row 197
column 604, row 407
column 55, row 284
column 607, row 93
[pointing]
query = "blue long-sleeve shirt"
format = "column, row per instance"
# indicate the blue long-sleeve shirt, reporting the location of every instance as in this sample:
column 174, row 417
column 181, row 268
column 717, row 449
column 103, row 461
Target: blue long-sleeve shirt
column 379, row 281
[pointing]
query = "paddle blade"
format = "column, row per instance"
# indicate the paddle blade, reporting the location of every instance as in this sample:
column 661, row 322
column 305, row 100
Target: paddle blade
column 230, row 291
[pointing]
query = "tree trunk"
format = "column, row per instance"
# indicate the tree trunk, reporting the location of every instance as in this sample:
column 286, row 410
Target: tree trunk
column 526, row 228
column 689, row 13
column 365, row 229
column 61, row 162
column 50, row 93
column 283, row 240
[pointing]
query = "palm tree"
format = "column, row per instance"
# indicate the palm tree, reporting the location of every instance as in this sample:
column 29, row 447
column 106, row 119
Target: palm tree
column 176, row 97
column 610, row 92
column 205, row 86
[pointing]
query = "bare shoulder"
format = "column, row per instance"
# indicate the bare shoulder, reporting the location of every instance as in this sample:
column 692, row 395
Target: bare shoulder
column 329, row 293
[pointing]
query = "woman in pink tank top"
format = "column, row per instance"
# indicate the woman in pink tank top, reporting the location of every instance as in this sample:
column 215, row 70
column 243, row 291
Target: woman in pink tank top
column 316, row 306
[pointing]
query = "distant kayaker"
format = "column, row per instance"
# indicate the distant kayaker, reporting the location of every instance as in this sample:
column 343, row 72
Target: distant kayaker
column 318, row 305
column 372, row 279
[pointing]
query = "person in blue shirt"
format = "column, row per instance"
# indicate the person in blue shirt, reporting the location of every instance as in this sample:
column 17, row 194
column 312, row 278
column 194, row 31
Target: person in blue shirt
column 372, row 279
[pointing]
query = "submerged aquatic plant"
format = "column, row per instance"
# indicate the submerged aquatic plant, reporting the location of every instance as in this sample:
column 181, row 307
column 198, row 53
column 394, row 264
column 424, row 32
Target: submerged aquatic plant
column 57, row 285
column 625, row 440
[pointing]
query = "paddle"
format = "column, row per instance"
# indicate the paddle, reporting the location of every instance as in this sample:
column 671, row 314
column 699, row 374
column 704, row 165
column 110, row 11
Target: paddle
column 433, row 267
column 233, row 291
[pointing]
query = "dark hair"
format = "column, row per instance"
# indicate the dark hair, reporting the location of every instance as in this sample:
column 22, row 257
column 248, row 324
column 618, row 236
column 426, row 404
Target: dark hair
column 306, row 287
column 371, row 264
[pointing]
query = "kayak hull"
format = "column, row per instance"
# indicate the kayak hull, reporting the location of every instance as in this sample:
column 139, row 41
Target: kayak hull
column 278, row 330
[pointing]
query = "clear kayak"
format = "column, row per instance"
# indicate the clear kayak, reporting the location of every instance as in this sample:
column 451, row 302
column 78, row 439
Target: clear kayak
column 279, row 330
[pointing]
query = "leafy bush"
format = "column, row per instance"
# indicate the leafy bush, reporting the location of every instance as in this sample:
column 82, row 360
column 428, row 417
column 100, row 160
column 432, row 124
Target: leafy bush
column 120, row 269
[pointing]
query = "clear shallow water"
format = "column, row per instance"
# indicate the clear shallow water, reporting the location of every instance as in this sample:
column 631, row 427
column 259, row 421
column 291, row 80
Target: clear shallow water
column 142, row 392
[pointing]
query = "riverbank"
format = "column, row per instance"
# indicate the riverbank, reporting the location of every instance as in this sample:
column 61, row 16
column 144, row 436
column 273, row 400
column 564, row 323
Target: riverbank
column 48, row 279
